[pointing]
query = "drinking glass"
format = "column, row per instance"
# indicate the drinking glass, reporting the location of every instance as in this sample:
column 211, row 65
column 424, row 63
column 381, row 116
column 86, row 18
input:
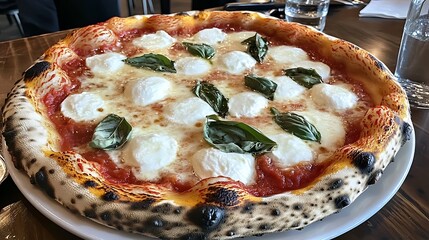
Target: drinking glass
column 309, row 12
column 412, row 67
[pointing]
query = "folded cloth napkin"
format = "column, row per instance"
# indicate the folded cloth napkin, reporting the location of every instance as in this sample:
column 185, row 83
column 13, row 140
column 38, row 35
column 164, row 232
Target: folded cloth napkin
column 386, row 9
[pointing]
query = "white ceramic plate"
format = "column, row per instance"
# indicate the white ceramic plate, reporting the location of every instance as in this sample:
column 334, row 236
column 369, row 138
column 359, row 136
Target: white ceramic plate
column 366, row 205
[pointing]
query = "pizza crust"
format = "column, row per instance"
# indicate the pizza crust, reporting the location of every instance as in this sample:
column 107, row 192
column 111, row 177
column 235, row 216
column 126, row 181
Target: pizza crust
column 216, row 207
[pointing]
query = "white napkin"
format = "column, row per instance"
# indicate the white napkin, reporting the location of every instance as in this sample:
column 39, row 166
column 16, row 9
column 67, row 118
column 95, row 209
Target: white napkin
column 386, row 9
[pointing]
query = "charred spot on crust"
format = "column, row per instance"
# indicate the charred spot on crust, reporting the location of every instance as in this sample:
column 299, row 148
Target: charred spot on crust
column 364, row 161
column 89, row 184
column 335, row 184
column 374, row 177
column 406, row 132
column 41, row 179
column 230, row 233
column 9, row 135
column 164, row 208
column 264, row 227
column 177, row 210
column 295, row 224
column 297, row 207
column 377, row 62
column 207, row 217
column 142, row 205
column 36, row 70
column 275, row 212
column 247, row 208
column 342, row 201
column 155, row 222
column 106, row 216
column 90, row 213
column 155, row 225
column 110, row 196
column 117, row 214
column 194, row 236
column 222, row 196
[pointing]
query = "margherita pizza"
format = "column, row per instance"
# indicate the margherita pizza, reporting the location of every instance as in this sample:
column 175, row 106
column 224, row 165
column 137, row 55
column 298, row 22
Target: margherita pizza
column 207, row 125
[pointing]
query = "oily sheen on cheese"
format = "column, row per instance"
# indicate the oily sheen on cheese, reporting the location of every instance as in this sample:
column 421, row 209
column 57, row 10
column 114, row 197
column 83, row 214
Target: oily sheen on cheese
column 211, row 162
column 148, row 154
column 106, row 63
column 287, row 54
column 168, row 117
column 154, row 41
column 247, row 104
column 210, row 36
column 192, row 66
column 287, row 89
column 83, row 106
column 147, row 91
column 333, row 96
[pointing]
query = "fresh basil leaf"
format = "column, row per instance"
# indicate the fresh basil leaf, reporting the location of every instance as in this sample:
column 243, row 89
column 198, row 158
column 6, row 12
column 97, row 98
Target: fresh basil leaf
column 111, row 133
column 238, row 137
column 156, row 62
column 210, row 94
column 201, row 50
column 306, row 77
column 263, row 85
column 296, row 125
column 257, row 47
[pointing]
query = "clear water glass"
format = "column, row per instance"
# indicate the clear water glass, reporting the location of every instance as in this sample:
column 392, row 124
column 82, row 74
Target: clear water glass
column 309, row 12
column 412, row 67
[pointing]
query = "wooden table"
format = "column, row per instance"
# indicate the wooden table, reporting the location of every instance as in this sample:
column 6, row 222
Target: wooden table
column 406, row 216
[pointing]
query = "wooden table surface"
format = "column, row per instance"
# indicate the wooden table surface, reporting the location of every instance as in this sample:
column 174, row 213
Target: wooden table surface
column 405, row 216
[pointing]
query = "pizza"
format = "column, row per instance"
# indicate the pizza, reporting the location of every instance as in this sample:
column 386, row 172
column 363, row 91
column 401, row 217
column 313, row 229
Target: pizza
column 204, row 125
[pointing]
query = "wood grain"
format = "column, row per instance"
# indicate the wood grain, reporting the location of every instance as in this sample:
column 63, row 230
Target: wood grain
column 406, row 216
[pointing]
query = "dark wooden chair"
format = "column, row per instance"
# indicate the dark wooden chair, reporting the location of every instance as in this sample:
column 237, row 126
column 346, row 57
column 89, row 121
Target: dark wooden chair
column 148, row 6
column 204, row 4
column 80, row 13
column 10, row 9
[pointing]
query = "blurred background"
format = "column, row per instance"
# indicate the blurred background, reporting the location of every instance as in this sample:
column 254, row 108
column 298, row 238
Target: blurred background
column 77, row 13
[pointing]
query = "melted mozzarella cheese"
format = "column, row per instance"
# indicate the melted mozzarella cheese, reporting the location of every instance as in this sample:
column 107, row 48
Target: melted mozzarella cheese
column 287, row 88
column 147, row 91
column 287, row 54
column 290, row 150
column 236, row 62
column 106, row 63
column 192, row 66
column 238, row 37
column 330, row 126
column 154, row 41
column 233, row 42
column 179, row 116
column 83, row 106
column 148, row 154
column 210, row 36
column 322, row 69
column 247, row 104
column 211, row 162
column 188, row 111
column 333, row 96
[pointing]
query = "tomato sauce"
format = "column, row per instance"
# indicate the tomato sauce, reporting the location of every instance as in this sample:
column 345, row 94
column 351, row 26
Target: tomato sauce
column 110, row 171
column 273, row 180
